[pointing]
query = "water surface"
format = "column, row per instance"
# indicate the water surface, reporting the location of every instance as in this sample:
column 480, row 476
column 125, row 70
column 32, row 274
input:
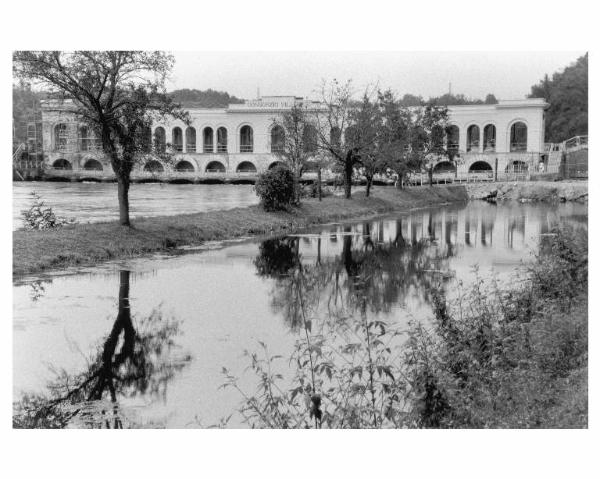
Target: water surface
column 94, row 202
column 153, row 335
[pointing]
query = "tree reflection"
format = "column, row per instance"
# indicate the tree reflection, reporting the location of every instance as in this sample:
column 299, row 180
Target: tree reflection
column 135, row 358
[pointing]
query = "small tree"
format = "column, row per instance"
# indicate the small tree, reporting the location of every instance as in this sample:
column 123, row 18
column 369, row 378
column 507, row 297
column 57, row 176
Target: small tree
column 332, row 121
column 299, row 142
column 366, row 133
column 275, row 188
column 428, row 136
column 117, row 93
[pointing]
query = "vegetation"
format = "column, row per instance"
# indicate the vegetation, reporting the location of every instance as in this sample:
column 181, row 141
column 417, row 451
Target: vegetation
column 567, row 93
column 85, row 244
column 117, row 93
column 276, row 188
column 192, row 98
column 40, row 217
column 297, row 143
column 513, row 357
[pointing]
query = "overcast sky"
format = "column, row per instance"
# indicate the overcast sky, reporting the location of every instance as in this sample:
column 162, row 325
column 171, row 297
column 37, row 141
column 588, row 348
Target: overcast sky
column 508, row 75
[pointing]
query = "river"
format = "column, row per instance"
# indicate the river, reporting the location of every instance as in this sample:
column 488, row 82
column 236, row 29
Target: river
column 185, row 318
column 94, row 202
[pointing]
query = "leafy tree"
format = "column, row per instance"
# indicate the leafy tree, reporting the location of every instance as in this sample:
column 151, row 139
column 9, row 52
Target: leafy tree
column 275, row 188
column 117, row 93
column 567, row 93
column 193, row 98
column 298, row 143
column 332, row 122
column 490, row 99
column 365, row 131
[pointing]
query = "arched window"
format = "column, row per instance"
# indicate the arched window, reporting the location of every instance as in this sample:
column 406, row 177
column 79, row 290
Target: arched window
column 518, row 137
column 190, row 139
column 160, row 140
column 177, row 139
column 335, row 137
column 437, row 136
column 309, row 139
column 146, row 139
column 60, row 136
column 207, row 140
column 222, row 140
column 277, row 139
column 452, row 137
column 473, row 138
column 246, row 139
column 88, row 139
column 489, row 138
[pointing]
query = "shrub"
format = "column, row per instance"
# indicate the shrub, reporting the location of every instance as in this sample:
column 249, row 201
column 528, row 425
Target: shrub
column 40, row 217
column 275, row 188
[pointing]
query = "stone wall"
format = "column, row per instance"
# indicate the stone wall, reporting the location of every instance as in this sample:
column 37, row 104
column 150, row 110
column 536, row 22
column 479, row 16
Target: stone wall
column 530, row 191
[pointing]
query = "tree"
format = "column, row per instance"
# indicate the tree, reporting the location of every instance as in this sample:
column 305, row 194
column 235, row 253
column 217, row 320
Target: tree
column 117, row 93
column 366, row 131
column 490, row 99
column 332, row 122
column 428, row 136
column 298, row 142
column 567, row 93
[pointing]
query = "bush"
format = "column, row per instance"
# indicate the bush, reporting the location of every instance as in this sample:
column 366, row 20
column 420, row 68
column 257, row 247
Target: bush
column 39, row 217
column 275, row 188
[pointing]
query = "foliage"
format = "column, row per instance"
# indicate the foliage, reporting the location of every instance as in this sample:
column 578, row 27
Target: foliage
column 42, row 217
column 118, row 94
column 494, row 357
column 275, row 188
column 192, row 98
column 567, row 93
column 508, row 357
column 299, row 143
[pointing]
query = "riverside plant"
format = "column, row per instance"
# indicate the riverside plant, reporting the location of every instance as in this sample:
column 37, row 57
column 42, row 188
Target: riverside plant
column 42, row 217
column 495, row 356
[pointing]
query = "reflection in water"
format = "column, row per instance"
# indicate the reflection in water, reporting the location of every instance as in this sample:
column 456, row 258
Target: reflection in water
column 339, row 285
column 131, row 361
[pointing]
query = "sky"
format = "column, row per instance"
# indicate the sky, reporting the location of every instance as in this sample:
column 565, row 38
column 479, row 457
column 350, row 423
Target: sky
column 508, row 75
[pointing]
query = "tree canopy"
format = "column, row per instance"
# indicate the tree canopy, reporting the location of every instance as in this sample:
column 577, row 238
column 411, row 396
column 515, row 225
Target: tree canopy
column 567, row 93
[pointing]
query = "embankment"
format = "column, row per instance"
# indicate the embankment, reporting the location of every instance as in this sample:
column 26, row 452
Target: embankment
column 530, row 191
column 37, row 251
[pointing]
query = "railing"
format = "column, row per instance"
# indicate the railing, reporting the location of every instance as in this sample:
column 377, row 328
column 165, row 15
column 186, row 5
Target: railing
column 246, row 148
column 208, row 149
column 577, row 142
column 221, row 148
column 518, row 147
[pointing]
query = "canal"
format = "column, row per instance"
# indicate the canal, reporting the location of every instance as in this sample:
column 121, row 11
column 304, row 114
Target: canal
column 94, row 202
column 153, row 335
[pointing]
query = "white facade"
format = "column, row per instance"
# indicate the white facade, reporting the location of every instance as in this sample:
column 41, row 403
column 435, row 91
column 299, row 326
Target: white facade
column 517, row 126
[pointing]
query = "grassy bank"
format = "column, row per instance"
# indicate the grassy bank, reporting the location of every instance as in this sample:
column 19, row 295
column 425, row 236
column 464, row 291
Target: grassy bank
column 38, row 251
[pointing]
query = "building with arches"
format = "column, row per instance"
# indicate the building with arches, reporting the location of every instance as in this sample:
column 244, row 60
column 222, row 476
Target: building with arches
column 242, row 140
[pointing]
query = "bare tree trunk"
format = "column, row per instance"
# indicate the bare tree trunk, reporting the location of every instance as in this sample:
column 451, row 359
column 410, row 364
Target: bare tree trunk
column 320, row 193
column 348, row 176
column 296, row 187
column 430, row 174
column 123, row 193
column 369, row 184
column 400, row 181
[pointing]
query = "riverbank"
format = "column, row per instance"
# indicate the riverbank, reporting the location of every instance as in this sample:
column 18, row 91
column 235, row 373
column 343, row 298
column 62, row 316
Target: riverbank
column 530, row 191
column 89, row 244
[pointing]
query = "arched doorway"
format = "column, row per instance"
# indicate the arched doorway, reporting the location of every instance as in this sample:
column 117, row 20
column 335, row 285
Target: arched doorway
column 517, row 167
column 480, row 167
column 154, row 166
column 275, row 164
column 246, row 167
column 62, row 164
column 93, row 165
column 444, row 167
column 184, row 167
column 215, row 167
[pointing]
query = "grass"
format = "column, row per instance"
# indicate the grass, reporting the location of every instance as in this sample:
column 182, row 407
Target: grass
column 84, row 245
